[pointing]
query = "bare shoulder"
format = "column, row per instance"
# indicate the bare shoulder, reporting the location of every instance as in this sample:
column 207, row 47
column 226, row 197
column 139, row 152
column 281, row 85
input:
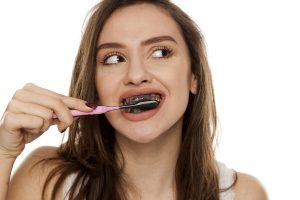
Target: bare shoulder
column 28, row 180
column 248, row 187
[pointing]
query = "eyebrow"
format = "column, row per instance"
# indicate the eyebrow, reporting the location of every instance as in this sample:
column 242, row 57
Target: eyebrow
column 144, row 43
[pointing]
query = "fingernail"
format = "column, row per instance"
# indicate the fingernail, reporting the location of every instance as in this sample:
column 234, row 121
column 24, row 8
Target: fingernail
column 62, row 131
column 90, row 105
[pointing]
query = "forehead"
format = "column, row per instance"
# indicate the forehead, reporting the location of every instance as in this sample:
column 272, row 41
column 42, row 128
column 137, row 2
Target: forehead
column 138, row 22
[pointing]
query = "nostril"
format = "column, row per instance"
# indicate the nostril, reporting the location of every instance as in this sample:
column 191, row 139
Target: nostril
column 137, row 75
column 137, row 81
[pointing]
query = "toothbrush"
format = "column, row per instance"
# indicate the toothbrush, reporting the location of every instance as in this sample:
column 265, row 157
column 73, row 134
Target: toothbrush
column 145, row 105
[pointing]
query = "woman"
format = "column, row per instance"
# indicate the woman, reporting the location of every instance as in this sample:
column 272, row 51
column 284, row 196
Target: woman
column 130, row 51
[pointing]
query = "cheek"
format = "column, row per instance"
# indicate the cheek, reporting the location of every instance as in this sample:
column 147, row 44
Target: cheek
column 177, row 76
column 106, row 88
column 179, row 84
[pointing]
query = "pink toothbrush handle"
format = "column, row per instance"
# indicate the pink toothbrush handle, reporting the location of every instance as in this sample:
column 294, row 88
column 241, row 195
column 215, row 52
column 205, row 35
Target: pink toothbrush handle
column 98, row 110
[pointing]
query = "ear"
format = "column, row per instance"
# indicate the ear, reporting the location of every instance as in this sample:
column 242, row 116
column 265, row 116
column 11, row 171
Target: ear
column 193, row 87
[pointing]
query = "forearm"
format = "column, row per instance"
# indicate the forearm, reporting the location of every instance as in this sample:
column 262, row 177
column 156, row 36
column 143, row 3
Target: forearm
column 6, row 165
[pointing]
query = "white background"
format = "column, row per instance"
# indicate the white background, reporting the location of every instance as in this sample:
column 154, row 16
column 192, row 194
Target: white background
column 253, row 50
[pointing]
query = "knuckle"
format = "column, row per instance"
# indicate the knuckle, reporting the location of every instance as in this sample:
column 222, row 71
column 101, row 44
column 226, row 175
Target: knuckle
column 39, row 122
column 11, row 104
column 18, row 94
column 54, row 103
column 69, row 121
column 28, row 86
column 59, row 104
column 57, row 101
column 7, row 118
column 48, row 114
column 60, row 95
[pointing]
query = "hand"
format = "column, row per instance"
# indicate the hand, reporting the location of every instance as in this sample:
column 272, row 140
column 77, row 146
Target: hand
column 29, row 114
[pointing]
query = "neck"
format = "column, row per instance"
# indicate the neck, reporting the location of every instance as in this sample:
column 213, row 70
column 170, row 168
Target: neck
column 150, row 168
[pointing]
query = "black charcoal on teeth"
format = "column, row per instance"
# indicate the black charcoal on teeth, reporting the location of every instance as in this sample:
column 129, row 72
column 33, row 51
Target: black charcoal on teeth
column 140, row 98
column 143, row 106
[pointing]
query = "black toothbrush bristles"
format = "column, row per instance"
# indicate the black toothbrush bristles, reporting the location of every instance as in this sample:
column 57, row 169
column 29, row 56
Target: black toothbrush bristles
column 144, row 105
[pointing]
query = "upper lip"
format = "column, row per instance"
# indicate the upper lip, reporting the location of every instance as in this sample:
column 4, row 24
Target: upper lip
column 135, row 92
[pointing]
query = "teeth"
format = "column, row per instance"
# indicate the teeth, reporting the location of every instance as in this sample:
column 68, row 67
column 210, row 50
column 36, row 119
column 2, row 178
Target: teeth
column 134, row 110
column 140, row 98
column 143, row 97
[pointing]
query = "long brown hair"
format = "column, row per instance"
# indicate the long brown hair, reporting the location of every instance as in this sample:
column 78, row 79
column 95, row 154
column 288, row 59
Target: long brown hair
column 90, row 152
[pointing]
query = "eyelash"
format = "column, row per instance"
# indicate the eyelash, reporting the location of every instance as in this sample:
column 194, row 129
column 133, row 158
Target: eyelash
column 115, row 53
column 169, row 51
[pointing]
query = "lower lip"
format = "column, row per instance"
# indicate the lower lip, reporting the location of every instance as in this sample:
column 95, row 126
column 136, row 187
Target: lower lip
column 143, row 115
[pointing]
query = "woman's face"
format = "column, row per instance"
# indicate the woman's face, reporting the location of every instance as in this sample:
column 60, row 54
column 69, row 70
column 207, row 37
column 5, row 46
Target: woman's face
column 141, row 52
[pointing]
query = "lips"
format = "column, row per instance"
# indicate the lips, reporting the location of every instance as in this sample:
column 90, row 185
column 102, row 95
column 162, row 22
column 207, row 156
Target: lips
column 136, row 115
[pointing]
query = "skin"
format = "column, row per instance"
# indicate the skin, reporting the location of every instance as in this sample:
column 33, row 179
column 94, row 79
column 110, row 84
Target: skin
column 27, row 116
column 142, row 69
column 151, row 146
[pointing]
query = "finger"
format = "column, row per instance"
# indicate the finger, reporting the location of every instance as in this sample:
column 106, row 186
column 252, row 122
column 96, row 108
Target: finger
column 17, row 106
column 14, row 123
column 78, row 104
column 23, row 127
column 57, row 105
column 34, row 88
column 55, row 121
column 71, row 102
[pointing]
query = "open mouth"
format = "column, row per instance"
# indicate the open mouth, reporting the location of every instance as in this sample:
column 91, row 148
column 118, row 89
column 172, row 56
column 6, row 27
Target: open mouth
column 141, row 98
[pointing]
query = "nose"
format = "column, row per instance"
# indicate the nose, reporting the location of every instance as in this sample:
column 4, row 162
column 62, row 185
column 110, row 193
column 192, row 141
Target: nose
column 137, row 73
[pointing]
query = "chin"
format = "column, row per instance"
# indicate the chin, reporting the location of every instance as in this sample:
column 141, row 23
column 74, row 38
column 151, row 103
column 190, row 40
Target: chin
column 144, row 138
column 139, row 136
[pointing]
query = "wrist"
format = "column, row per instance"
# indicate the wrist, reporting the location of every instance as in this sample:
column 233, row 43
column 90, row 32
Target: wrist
column 4, row 155
column 6, row 165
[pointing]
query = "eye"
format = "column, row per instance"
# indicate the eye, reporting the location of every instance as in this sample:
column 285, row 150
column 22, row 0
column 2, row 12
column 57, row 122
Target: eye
column 162, row 52
column 113, row 58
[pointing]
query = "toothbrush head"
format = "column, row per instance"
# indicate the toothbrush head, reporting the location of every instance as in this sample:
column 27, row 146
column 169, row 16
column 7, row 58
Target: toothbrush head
column 147, row 105
column 143, row 105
